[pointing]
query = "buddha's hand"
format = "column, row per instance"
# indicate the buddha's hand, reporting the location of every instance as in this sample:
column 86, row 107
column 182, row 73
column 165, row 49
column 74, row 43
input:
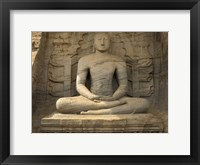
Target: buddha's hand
column 107, row 98
column 95, row 98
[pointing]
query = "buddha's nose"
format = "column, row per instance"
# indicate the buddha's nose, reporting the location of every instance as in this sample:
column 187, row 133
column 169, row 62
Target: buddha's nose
column 102, row 42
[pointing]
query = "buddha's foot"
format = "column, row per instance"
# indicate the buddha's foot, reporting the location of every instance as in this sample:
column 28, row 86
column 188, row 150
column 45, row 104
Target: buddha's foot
column 122, row 102
column 96, row 112
column 84, row 113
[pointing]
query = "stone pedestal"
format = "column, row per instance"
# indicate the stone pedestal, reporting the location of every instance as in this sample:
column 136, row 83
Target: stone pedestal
column 132, row 123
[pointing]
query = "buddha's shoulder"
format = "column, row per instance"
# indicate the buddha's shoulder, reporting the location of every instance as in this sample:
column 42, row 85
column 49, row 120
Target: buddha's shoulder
column 86, row 58
column 118, row 58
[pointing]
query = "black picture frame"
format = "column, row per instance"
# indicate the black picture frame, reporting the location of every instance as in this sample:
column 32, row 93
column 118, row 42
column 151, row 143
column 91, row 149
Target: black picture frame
column 7, row 5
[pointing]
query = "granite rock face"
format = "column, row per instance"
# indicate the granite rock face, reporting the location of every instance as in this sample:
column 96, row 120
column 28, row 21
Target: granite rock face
column 56, row 56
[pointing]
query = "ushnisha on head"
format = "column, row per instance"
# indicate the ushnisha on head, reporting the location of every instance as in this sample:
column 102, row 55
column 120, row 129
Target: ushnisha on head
column 101, row 42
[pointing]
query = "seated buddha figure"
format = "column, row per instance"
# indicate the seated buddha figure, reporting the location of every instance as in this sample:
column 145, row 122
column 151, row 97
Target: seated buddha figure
column 101, row 98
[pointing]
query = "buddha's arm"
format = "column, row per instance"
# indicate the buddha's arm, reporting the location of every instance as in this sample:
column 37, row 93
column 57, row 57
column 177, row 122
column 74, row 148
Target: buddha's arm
column 122, row 80
column 81, row 79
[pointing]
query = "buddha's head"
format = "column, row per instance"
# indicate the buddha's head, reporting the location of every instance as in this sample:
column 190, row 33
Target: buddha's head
column 101, row 42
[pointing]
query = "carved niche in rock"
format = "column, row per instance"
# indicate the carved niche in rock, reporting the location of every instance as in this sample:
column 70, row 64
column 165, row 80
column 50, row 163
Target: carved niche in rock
column 69, row 47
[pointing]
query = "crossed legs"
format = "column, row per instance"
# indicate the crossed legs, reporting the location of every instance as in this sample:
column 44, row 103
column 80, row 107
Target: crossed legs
column 77, row 104
column 84, row 106
column 132, row 105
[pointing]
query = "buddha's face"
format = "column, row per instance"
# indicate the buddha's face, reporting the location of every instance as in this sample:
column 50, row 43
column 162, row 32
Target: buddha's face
column 102, row 42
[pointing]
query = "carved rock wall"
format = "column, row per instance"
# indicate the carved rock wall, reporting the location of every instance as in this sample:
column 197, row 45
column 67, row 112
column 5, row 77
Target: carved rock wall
column 36, row 38
column 162, row 76
column 38, row 51
column 58, row 54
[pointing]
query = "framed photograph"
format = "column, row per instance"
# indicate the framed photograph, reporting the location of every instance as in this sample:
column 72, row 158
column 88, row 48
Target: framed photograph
column 112, row 82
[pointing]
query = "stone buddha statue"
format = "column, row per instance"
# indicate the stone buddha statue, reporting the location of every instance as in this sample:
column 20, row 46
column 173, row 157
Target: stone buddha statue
column 101, row 98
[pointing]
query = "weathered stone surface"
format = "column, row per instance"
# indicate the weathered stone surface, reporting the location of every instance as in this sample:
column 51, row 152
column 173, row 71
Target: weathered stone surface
column 36, row 39
column 135, row 123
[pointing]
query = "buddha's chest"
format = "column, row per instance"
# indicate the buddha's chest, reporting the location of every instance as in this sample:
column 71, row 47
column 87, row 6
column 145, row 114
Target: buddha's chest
column 102, row 69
